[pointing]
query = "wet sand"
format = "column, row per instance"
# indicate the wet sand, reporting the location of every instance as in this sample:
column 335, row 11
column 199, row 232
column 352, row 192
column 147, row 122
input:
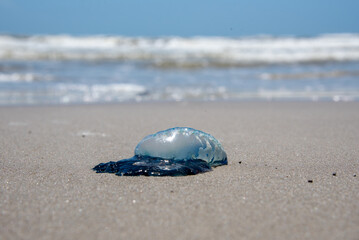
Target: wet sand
column 48, row 190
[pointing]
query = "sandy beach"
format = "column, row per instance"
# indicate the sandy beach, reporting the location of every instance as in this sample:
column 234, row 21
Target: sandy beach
column 293, row 172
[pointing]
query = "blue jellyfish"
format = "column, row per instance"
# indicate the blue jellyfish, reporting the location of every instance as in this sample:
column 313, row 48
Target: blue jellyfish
column 178, row 151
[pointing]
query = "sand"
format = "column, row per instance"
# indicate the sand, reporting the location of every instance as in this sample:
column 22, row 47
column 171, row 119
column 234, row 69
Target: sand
column 48, row 190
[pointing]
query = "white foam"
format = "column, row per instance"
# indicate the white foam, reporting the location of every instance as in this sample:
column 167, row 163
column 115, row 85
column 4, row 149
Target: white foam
column 283, row 94
column 308, row 75
column 23, row 77
column 70, row 93
column 177, row 51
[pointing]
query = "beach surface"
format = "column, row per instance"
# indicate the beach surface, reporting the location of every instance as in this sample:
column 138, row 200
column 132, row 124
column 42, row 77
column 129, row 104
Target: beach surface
column 293, row 172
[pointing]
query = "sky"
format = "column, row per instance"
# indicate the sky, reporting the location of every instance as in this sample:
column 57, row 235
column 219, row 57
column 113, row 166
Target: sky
column 179, row 18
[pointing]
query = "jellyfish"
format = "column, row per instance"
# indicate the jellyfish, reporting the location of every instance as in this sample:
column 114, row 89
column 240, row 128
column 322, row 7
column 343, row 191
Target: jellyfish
column 178, row 151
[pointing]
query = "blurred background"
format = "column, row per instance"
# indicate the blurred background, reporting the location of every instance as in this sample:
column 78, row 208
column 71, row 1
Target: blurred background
column 76, row 51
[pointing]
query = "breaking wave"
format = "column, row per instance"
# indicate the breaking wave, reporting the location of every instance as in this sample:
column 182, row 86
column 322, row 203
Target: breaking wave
column 178, row 52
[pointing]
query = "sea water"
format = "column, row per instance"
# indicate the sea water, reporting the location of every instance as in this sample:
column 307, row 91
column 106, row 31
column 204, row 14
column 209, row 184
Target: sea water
column 63, row 69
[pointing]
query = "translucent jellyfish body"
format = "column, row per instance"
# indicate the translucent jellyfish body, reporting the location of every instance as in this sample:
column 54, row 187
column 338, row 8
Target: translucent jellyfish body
column 176, row 151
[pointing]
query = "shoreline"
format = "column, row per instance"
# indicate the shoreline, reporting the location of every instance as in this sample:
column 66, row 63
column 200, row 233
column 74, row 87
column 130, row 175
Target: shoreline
column 48, row 190
column 245, row 100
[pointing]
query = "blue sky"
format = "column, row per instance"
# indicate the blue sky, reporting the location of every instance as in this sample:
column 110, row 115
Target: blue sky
column 180, row 17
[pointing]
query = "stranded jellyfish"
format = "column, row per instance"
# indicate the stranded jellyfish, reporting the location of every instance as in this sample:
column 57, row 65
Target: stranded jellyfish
column 176, row 151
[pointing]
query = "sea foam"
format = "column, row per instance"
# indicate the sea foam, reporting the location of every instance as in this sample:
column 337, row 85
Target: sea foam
column 183, row 52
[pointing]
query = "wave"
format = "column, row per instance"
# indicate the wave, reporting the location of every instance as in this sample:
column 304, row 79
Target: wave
column 79, row 93
column 70, row 93
column 308, row 75
column 24, row 77
column 74, row 93
column 178, row 52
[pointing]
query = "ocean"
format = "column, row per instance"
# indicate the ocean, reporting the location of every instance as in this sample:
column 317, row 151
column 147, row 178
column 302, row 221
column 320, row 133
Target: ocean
column 64, row 69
